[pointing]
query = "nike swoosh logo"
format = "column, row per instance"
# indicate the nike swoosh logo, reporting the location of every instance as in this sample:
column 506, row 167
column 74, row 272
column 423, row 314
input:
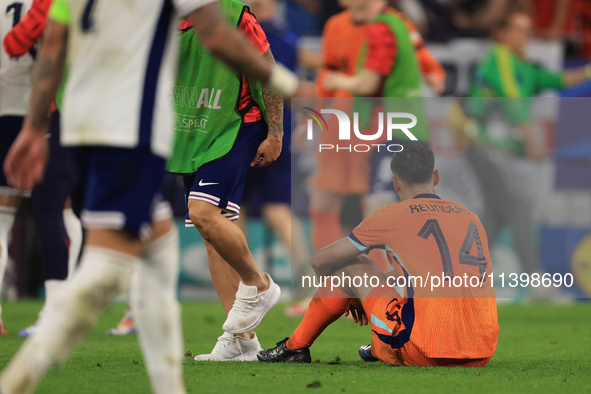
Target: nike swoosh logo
column 206, row 184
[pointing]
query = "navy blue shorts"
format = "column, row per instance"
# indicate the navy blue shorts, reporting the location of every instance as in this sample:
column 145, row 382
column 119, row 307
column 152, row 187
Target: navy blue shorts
column 10, row 126
column 122, row 188
column 271, row 184
column 221, row 182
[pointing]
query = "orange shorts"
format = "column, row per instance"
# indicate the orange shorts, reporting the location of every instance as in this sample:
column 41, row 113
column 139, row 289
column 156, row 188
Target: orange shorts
column 391, row 338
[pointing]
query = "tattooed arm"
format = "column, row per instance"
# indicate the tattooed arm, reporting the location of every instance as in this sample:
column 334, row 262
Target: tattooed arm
column 271, row 147
column 47, row 75
column 25, row 162
column 274, row 104
column 224, row 41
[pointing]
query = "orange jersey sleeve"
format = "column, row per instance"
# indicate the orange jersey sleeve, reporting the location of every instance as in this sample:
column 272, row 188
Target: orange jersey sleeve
column 429, row 65
column 429, row 237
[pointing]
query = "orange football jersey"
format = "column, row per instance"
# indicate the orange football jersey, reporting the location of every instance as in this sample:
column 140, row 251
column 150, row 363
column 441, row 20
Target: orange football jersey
column 442, row 249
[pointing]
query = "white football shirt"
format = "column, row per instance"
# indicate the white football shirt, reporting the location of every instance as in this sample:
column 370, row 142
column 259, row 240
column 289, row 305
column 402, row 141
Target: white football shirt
column 122, row 57
column 15, row 73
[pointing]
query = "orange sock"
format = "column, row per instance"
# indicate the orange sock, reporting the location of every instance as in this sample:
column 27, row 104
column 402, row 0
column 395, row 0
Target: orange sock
column 326, row 228
column 321, row 312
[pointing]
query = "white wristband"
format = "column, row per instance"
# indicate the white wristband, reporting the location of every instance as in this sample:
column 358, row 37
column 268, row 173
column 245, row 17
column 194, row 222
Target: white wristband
column 283, row 80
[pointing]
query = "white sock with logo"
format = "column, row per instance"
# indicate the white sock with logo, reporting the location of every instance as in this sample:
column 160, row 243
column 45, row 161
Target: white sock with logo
column 102, row 275
column 74, row 230
column 157, row 314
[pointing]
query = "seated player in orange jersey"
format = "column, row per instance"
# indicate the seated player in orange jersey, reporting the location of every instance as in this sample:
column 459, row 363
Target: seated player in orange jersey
column 435, row 323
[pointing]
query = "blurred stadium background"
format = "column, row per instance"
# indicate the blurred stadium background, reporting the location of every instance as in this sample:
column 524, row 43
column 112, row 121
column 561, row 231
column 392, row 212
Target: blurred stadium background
column 457, row 32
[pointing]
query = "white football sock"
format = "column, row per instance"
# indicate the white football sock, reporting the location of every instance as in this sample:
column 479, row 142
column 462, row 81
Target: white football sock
column 69, row 317
column 53, row 287
column 6, row 221
column 157, row 314
column 74, row 230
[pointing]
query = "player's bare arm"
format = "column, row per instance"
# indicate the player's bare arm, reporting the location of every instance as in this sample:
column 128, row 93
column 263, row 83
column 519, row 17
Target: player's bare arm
column 366, row 83
column 226, row 43
column 329, row 258
column 577, row 76
column 270, row 148
column 25, row 162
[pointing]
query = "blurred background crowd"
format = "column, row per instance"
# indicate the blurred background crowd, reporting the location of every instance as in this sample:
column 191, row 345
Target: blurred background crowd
column 458, row 33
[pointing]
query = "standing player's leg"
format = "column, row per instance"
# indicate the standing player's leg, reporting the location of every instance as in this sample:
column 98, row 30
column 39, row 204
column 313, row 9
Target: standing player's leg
column 75, row 234
column 9, row 198
column 156, row 309
column 8, row 206
column 214, row 195
column 229, row 347
column 58, row 266
column 230, row 242
column 49, row 202
column 104, row 271
column 119, row 208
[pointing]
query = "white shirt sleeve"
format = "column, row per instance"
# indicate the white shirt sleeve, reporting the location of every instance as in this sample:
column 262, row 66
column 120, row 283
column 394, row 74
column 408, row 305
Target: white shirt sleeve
column 185, row 7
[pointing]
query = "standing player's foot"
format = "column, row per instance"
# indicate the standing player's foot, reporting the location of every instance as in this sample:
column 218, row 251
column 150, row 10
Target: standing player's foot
column 231, row 348
column 125, row 327
column 365, row 353
column 250, row 308
column 281, row 354
column 26, row 332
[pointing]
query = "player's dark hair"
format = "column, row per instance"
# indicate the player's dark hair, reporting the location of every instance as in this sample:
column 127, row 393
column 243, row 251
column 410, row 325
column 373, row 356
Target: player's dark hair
column 414, row 165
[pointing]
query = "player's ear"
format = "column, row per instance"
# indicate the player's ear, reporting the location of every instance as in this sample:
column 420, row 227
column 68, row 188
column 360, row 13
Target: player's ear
column 435, row 178
column 396, row 182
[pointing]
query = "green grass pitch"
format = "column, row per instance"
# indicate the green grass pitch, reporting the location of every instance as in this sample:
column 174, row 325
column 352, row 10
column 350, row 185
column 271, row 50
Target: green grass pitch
column 542, row 349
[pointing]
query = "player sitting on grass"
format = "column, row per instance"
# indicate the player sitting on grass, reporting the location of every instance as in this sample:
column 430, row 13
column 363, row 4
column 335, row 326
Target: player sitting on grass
column 425, row 237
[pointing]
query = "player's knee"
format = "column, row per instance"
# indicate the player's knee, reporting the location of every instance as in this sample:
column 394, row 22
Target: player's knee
column 203, row 216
